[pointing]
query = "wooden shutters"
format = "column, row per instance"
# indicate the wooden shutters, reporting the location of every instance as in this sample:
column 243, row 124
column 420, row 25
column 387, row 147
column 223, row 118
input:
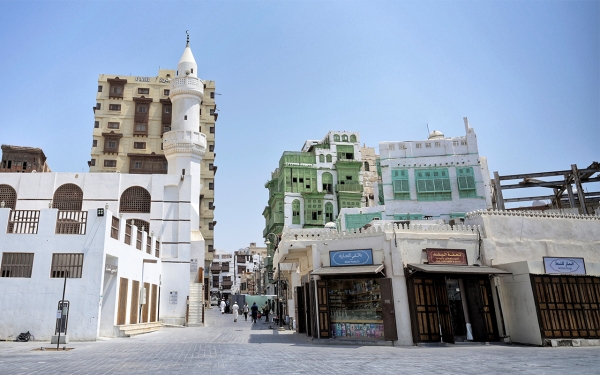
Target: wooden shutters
column 308, row 309
column 323, row 309
column 312, row 309
column 481, row 309
column 153, row 303
column 441, row 295
column 122, row 310
column 430, row 310
column 567, row 306
column 390, row 333
column 146, row 305
column 133, row 310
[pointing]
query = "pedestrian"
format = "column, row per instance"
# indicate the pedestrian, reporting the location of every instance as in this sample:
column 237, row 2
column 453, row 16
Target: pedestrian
column 222, row 306
column 254, row 309
column 246, row 310
column 267, row 308
column 227, row 310
column 236, row 310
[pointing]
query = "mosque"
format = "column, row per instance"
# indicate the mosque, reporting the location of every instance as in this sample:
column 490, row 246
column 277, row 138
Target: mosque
column 123, row 251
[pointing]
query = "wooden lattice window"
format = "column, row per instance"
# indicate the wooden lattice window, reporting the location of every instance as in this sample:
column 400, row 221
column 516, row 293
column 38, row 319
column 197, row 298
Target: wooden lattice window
column 68, row 197
column 114, row 228
column 135, row 199
column 138, row 239
column 127, row 233
column 157, row 249
column 8, row 195
column 148, row 244
column 23, row 221
column 17, row 264
column 71, row 263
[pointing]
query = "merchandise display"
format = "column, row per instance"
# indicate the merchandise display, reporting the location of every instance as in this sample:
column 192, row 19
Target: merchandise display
column 355, row 308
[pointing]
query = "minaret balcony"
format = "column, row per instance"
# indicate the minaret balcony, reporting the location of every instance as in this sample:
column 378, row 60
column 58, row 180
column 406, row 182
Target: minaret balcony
column 187, row 85
column 184, row 141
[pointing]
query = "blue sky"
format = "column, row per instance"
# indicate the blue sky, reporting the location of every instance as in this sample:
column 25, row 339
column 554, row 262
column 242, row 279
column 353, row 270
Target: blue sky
column 525, row 73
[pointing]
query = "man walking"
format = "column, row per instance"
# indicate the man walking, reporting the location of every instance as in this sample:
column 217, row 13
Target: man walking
column 266, row 309
column 246, row 310
column 222, row 306
column 236, row 310
column 254, row 310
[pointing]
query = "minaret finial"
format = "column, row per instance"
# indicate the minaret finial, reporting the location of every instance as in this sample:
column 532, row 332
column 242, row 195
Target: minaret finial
column 188, row 38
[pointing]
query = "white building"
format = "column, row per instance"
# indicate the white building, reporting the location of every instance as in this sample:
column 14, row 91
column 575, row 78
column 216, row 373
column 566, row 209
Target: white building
column 53, row 227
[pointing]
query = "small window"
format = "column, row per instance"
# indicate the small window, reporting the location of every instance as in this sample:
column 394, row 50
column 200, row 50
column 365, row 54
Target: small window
column 454, row 143
column 138, row 165
column 427, row 145
column 110, row 163
column 99, row 88
column 210, row 166
column 92, row 162
column 116, row 89
column 211, row 186
column 69, row 265
column 167, row 92
column 112, row 144
column 418, row 145
column 98, row 106
column 463, row 143
column 114, row 107
column 96, row 124
column 211, row 225
column 438, row 144
column 167, row 109
column 114, row 125
column 212, row 111
column 140, row 127
column 142, row 109
column 139, row 145
column 211, row 148
column 17, row 264
column 212, row 94
column 143, row 91
column 185, row 117
column 212, row 130
column 94, row 143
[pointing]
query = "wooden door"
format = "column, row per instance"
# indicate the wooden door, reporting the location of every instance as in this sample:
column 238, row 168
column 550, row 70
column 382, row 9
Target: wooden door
column 424, row 315
column 481, row 309
column 307, row 309
column 300, row 311
column 323, row 309
column 390, row 332
column 133, row 309
column 441, row 295
column 153, row 302
column 122, row 309
column 147, row 304
column 313, row 309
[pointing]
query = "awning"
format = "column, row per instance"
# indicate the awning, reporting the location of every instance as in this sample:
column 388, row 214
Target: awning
column 449, row 268
column 348, row 270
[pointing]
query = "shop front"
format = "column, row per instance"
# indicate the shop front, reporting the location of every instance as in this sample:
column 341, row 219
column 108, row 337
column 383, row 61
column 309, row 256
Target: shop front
column 451, row 301
column 350, row 299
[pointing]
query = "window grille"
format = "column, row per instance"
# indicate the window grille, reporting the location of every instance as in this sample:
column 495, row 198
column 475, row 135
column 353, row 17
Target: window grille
column 114, row 228
column 141, row 224
column 17, row 264
column 148, row 244
column 23, row 221
column 71, row 263
column 71, row 222
column 135, row 199
column 296, row 211
column 8, row 195
column 68, row 197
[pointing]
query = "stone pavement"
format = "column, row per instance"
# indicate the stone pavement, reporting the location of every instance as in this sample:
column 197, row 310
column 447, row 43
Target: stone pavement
column 243, row 347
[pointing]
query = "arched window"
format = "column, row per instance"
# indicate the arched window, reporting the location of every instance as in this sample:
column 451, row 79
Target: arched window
column 140, row 223
column 329, row 158
column 296, row 211
column 353, row 138
column 344, row 138
column 68, row 197
column 328, row 212
column 135, row 199
column 327, row 179
column 366, row 166
column 321, row 158
column 8, row 195
column 336, row 137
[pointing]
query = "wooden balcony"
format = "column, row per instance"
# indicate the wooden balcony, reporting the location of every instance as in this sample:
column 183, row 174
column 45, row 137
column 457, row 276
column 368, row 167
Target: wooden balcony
column 353, row 187
column 227, row 284
column 215, row 269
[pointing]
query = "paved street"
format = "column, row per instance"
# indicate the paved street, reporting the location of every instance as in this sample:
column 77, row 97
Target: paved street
column 243, row 347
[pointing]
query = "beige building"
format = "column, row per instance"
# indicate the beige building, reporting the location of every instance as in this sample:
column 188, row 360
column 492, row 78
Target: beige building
column 130, row 117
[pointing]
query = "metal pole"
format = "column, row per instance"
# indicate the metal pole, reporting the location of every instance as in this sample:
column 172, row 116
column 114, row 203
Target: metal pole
column 62, row 305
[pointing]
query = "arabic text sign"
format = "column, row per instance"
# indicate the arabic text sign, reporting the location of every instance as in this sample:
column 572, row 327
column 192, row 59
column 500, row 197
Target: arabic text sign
column 572, row 266
column 351, row 257
column 446, row 256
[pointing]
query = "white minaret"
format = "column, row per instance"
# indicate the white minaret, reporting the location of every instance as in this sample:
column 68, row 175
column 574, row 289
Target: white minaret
column 184, row 145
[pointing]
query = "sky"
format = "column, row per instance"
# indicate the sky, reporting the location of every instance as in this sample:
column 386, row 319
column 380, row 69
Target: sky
column 525, row 73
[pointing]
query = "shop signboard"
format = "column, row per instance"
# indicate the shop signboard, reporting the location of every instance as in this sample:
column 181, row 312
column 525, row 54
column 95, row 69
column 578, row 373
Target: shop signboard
column 447, row 256
column 571, row 266
column 351, row 257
